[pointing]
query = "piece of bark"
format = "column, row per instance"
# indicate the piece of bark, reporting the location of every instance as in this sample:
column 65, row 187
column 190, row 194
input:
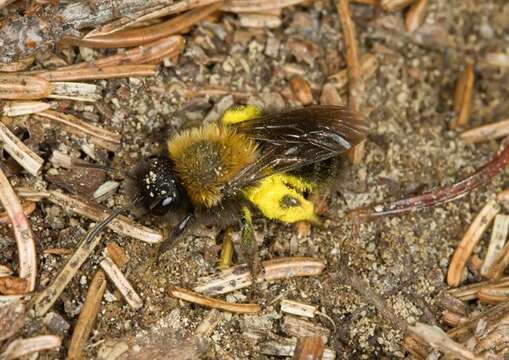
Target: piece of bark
column 22, row 36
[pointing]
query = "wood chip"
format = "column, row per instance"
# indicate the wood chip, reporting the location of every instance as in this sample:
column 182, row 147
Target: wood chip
column 256, row 20
column 487, row 132
column 497, row 241
column 415, row 15
column 13, row 285
column 73, row 124
column 23, row 155
column 121, row 283
column 438, row 339
column 22, row 347
column 297, row 308
column 21, row 87
column 255, row 6
column 463, row 96
column 294, row 326
column 239, row 277
column 209, row 302
column 469, row 241
column 18, row 108
column 75, row 91
column 301, row 89
column 88, row 315
column 22, row 232
column 309, row 348
column 286, row 347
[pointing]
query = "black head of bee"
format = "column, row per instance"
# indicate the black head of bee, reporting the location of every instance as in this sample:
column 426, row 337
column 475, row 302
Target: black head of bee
column 160, row 187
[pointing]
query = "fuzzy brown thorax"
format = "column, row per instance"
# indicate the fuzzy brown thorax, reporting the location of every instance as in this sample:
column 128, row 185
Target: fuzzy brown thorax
column 207, row 158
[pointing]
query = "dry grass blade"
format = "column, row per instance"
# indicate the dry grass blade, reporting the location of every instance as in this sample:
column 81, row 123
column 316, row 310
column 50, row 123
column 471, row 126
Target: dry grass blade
column 22, row 231
column 435, row 337
column 148, row 14
column 356, row 86
column 25, row 157
column 87, row 316
column 107, row 72
column 309, row 348
column 241, row 6
column 497, row 241
column 395, row 5
column 17, row 108
column 369, row 66
column 415, row 15
column 22, row 87
column 463, row 96
column 151, row 53
column 209, row 302
column 469, row 241
column 95, row 134
column 75, row 91
column 22, row 347
column 139, row 36
column 12, row 318
column 487, row 132
column 122, row 224
column 45, row 299
column 239, row 277
column 121, row 283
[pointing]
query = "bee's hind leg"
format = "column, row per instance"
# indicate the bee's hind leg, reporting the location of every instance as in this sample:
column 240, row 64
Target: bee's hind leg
column 249, row 245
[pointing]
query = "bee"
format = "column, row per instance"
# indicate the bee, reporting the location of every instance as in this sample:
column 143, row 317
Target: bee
column 250, row 159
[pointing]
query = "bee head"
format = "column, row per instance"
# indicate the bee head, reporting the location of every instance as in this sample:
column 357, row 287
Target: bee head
column 160, row 187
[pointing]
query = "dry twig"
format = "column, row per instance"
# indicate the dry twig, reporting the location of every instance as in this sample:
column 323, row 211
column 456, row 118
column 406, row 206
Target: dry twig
column 88, row 315
column 107, row 72
column 239, row 277
column 22, row 231
column 25, row 157
column 440, row 195
column 209, row 302
column 469, row 241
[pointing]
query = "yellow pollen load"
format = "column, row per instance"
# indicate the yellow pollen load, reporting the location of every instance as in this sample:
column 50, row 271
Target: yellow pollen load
column 240, row 113
column 279, row 196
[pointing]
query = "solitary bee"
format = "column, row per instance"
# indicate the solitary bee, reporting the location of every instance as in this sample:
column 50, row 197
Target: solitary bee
column 249, row 159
